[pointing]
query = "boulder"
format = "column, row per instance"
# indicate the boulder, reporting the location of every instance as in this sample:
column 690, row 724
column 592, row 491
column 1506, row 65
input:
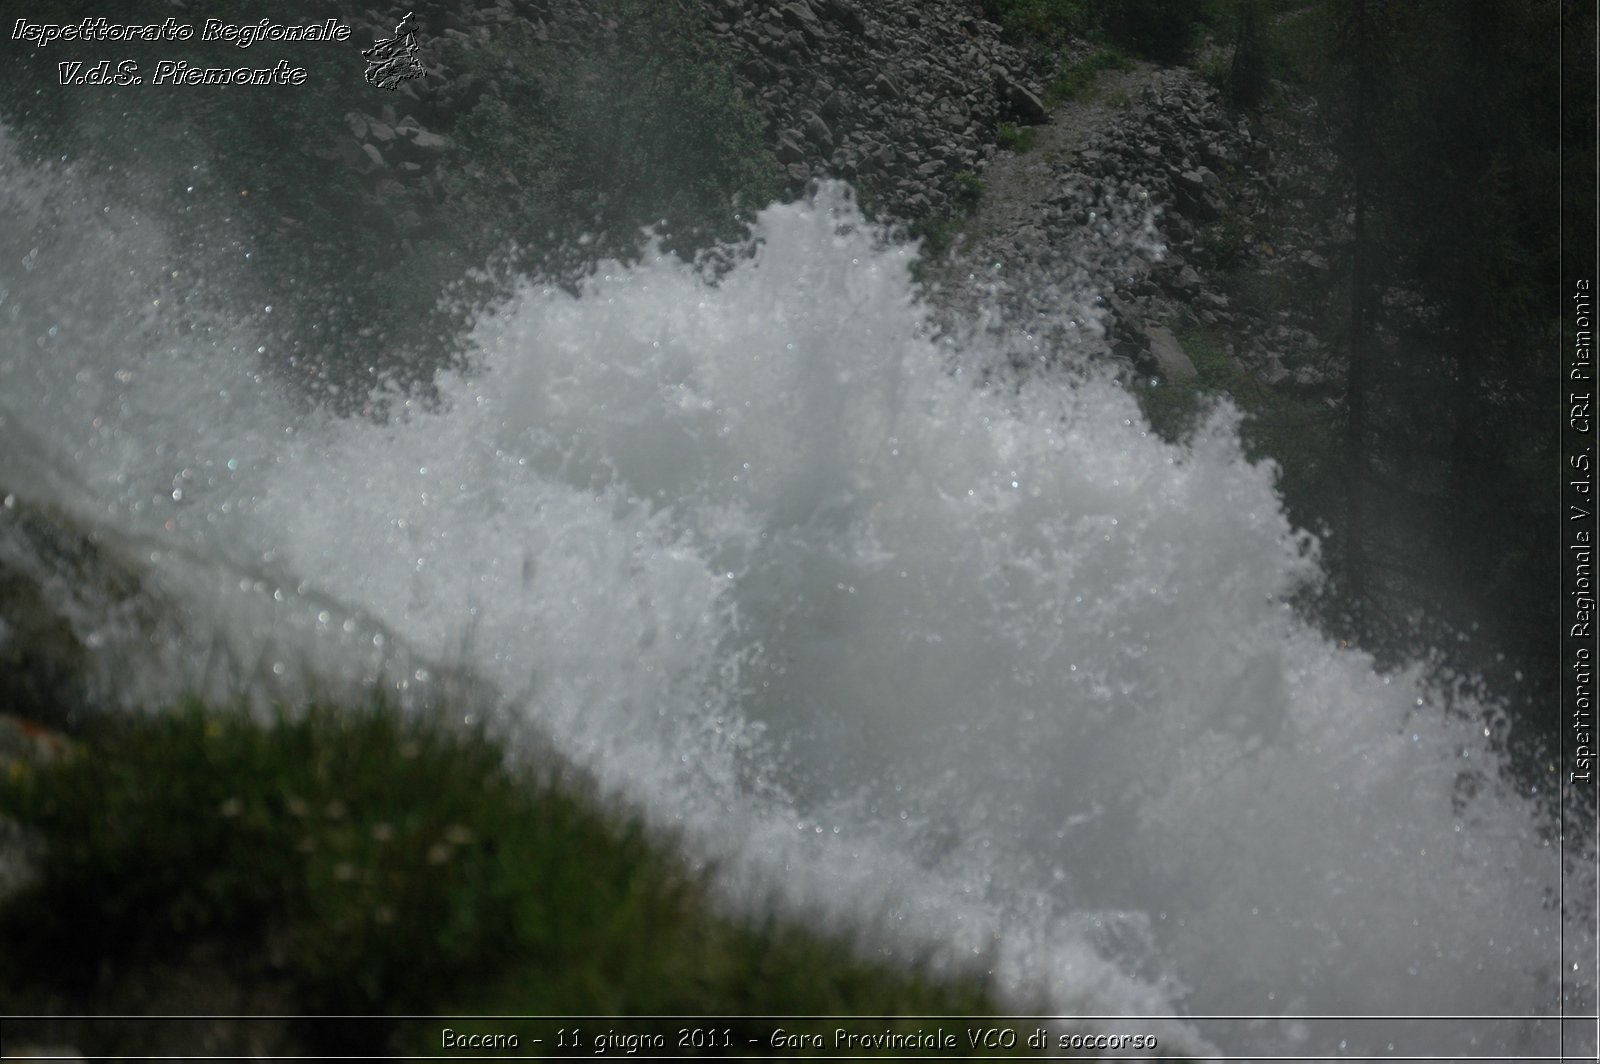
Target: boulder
column 1168, row 354
column 818, row 133
column 1022, row 104
column 790, row 149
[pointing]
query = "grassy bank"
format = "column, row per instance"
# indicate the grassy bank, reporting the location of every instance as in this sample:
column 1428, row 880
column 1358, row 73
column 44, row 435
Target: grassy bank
column 358, row 861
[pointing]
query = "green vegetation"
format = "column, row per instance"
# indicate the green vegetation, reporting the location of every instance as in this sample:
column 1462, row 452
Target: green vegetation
column 1047, row 22
column 966, row 189
column 1074, row 80
column 1162, row 30
column 1016, row 138
column 1226, row 242
column 360, row 861
column 937, row 232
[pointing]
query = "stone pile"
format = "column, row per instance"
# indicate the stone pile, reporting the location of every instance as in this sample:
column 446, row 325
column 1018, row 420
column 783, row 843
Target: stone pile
column 896, row 96
column 899, row 97
column 1150, row 208
column 1210, row 173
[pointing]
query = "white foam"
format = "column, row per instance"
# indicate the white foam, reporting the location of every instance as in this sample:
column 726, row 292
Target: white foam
column 1002, row 671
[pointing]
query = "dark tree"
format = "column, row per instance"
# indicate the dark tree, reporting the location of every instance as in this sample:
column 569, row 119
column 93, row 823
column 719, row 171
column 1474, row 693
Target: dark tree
column 1360, row 66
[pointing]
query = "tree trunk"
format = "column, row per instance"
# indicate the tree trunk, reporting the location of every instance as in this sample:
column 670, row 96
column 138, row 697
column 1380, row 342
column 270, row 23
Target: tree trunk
column 1358, row 372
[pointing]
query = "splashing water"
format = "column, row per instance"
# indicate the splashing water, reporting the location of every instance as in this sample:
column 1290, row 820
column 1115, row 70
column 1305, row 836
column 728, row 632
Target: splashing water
column 938, row 664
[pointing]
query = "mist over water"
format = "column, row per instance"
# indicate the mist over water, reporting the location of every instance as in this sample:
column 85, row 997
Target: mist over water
column 996, row 670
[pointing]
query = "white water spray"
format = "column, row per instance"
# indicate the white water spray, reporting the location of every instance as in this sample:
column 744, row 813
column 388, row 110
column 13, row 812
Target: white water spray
column 1004, row 672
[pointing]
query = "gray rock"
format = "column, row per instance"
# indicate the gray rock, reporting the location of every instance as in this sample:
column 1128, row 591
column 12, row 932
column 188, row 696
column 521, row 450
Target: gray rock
column 789, row 149
column 421, row 138
column 845, row 14
column 798, row 14
column 1168, row 355
column 817, row 131
column 1024, row 104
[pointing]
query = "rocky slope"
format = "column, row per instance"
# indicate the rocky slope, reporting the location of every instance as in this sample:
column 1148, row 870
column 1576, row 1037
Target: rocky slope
column 897, row 97
column 904, row 99
column 1153, row 192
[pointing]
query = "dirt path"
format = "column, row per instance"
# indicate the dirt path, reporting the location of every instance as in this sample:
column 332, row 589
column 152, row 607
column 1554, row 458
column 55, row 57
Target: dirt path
column 1050, row 235
column 1018, row 187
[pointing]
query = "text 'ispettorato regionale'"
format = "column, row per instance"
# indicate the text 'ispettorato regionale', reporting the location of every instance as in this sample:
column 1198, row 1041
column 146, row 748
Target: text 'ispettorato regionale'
column 169, row 72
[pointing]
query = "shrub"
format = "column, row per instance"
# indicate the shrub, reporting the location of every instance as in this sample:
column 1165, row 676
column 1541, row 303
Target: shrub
column 1048, row 22
column 1226, row 242
column 1157, row 29
column 937, row 233
column 1073, row 80
column 1016, row 138
column 966, row 189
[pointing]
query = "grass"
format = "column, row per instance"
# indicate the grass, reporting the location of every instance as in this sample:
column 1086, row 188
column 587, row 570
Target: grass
column 1019, row 139
column 359, row 861
column 1075, row 80
column 1225, row 243
column 938, row 234
column 966, row 190
column 1044, row 23
column 1217, row 70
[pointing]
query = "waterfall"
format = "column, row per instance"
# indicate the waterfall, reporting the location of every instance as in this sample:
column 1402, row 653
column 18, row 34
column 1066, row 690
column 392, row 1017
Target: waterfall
column 995, row 669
